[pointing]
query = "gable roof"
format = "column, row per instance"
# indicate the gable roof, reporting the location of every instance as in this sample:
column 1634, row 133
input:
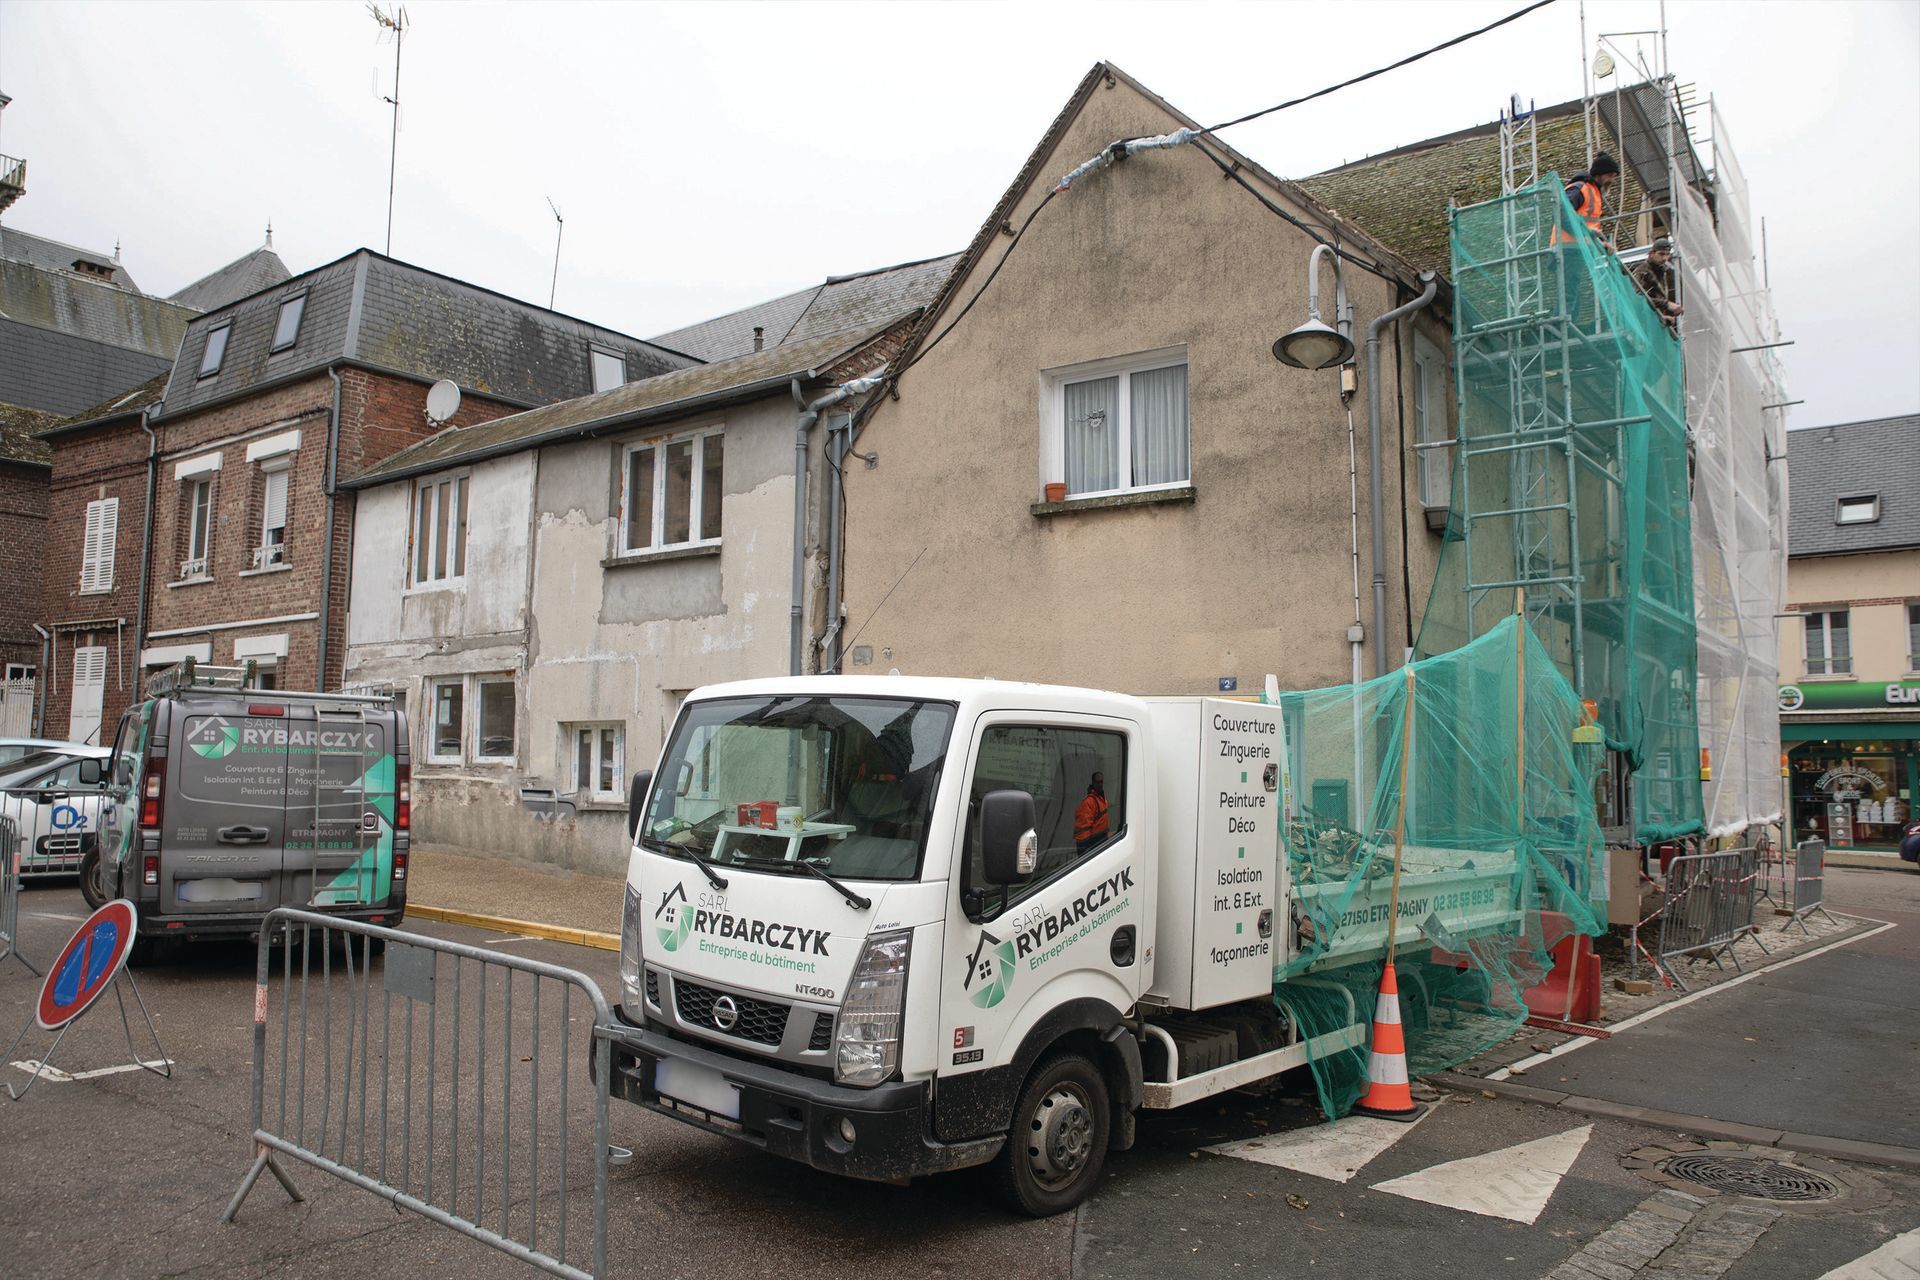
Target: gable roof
column 241, row 278
column 369, row 309
column 840, row 302
column 1854, row 459
column 54, row 255
column 667, row 395
column 20, row 430
column 1230, row 161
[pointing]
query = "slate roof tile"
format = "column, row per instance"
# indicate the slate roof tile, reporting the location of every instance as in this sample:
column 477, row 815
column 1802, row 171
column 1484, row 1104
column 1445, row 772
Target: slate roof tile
column 1880, row 456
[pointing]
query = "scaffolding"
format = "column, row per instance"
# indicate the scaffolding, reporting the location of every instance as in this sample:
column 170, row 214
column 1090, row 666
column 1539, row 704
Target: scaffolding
column 1570, row 483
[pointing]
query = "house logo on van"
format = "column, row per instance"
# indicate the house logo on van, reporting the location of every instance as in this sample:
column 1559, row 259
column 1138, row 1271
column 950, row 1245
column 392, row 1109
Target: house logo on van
column 214, row 738
column 991, row 969
column 675, row 918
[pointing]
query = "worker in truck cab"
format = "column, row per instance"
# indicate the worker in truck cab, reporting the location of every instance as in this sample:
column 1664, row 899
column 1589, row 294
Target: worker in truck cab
column 1090, row 819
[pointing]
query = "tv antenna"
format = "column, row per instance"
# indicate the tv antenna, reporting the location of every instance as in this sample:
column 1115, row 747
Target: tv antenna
column 394, row 20
column 559, row 229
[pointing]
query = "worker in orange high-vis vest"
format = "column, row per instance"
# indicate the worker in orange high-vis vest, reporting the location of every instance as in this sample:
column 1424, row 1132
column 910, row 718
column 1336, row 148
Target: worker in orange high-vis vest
column 1587, row 193
column 1090, row 819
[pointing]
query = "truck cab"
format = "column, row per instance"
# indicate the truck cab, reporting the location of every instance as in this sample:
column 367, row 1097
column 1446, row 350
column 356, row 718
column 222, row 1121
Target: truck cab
column 889, row 926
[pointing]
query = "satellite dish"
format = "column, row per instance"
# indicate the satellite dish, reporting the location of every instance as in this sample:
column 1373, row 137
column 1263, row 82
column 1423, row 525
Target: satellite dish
column 443, row 401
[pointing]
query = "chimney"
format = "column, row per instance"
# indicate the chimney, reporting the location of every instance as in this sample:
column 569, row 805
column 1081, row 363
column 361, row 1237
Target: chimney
column 759, row 338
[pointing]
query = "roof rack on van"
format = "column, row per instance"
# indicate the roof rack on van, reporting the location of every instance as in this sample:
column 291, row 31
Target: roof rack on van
column 188, row 674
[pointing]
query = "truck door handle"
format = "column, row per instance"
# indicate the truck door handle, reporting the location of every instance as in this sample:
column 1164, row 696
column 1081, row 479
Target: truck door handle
column 243, row 835
column 1122, row 948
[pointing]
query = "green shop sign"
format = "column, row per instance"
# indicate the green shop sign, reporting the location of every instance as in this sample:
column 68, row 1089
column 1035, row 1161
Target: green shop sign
column 1853, row 695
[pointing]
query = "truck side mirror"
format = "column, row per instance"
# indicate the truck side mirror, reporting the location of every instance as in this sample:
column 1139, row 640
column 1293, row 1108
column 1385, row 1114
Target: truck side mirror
column 637, row 800
column 92, row 773
column 1009, row 848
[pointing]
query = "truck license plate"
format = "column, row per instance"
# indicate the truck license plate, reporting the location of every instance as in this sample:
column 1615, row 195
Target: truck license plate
column 697, row 1086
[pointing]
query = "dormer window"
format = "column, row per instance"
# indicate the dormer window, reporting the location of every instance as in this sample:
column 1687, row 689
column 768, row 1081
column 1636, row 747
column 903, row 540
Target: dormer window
column 609, row 369
column 286, row 331
column 216, row 349
column 1862, row 508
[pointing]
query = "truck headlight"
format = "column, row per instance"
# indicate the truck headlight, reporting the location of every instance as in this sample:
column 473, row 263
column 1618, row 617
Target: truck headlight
column 867, row 1041
column 632, row 963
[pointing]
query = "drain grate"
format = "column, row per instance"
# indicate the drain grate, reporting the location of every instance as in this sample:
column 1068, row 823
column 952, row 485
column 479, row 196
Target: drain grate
column 1758, row 1177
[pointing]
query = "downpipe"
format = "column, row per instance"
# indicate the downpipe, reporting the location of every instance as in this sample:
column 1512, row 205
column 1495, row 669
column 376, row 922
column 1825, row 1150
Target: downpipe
column 1379, row 534
column 326, row 551
column 810, row 412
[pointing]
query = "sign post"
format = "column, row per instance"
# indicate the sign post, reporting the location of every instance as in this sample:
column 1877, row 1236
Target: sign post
column 94, row 959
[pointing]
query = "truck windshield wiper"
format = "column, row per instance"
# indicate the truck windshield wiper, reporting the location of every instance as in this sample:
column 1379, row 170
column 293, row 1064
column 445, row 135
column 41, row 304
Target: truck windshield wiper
column 691, row 855
column 853, row 899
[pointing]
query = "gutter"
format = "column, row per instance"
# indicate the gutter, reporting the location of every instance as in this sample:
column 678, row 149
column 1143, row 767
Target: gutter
column 1379, row 541
column 146, row 535
column 326, row 551
column 809, row 413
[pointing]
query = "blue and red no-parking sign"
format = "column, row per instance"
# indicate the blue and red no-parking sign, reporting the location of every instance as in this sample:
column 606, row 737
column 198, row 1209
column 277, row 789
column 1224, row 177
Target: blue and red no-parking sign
column 87, row 965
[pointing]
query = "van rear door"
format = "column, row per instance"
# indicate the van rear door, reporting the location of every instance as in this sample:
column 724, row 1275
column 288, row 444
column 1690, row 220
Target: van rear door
column 341, row 772
column 224, row 817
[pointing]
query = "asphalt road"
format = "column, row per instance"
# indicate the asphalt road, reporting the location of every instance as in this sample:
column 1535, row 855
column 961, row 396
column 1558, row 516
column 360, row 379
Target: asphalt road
column 127, row 1174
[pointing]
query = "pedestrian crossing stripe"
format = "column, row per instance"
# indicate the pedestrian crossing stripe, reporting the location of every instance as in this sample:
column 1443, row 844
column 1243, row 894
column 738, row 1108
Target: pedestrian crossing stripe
column 1897, row 1259
column 1514, row 1182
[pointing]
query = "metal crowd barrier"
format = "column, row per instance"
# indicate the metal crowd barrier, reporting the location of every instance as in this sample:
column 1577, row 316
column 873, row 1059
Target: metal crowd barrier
column 10, row 899
column 1708, row 908
column 1809, row 882
column 438, row 1076
column 49, row 830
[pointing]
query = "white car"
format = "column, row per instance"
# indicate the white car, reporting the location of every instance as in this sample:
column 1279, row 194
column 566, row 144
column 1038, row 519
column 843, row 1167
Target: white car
column 51, row 805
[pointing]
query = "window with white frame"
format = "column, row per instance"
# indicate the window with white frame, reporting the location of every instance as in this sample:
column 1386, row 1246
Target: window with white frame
column 670, row 493
column 96, row 555
column 1430, row 382
column 609, row 369
column 444, row 733
column 493, row 738
column 597, row 751
column 273, row 515
column 1913, row 637
column 1829, row 645
column 1119, row 426
column 439, row 552
column 196, row 515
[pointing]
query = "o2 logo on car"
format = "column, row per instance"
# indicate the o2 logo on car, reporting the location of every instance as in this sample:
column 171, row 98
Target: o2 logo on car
column 676, row 920
column 992, row 970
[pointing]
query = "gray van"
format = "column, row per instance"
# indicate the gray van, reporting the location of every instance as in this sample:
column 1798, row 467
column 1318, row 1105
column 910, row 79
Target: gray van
column 227, row 800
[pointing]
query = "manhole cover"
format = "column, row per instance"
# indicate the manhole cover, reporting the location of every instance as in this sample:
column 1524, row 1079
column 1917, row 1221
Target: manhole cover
column 1758, row 1177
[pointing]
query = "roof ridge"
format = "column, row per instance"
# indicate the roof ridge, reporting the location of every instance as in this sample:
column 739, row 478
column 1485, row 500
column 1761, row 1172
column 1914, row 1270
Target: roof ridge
column 81, row 249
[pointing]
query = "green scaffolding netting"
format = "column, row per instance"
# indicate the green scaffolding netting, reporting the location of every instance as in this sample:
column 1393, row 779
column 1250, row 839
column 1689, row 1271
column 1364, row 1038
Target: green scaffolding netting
column 1500, row 860
column 1570, row 485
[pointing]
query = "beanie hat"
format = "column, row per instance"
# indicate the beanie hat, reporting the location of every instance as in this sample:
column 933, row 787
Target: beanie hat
column 1603, row 163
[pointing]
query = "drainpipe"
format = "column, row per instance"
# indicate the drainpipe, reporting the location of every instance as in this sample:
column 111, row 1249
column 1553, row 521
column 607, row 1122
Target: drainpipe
column 326, row 551
column 809, row 414
column 46, row 680
column 146, row 544
column 838, row 446
column 1379, row 542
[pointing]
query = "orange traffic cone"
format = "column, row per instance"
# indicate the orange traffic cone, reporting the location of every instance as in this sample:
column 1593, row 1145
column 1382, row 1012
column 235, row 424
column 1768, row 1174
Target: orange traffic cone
column 1389, row 1095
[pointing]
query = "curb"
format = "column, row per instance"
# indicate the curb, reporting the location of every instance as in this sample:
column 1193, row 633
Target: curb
column 1700, row 1126
column 527, row 928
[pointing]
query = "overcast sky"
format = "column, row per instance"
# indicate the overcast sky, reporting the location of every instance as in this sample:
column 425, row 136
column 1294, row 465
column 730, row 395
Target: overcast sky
column 706, row 156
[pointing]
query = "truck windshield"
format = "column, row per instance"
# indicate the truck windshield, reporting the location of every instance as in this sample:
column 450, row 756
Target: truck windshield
column 843, row 783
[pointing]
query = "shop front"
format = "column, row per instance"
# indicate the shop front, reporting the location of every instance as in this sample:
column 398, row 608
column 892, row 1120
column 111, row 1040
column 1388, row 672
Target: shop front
column 1852, row 755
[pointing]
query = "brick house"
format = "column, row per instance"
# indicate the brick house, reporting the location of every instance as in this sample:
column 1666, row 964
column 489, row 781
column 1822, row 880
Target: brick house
column 276, row 396
column 24, row 463
column 91, row 602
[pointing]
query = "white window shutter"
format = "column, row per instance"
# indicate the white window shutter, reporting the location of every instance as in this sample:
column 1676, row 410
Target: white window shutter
column 276, row 500
column 89, row 693
column 96, row 557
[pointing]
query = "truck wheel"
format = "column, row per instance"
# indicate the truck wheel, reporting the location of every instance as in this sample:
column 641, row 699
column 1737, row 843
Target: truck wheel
column 1058, row 1142
column 97, row 880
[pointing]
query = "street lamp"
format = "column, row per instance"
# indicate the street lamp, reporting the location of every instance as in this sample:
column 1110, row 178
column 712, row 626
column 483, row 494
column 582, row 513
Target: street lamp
column 1315, row 344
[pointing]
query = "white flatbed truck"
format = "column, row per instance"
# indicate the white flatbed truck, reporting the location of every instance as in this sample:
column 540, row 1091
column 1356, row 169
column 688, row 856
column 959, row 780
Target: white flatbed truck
column 878, row 926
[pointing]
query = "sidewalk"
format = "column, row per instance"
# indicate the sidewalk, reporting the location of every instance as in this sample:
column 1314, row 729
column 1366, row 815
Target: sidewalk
column 569, row 906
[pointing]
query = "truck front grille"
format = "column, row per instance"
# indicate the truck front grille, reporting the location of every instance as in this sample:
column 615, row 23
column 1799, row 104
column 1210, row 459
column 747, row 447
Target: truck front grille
column 822, row 1037
column 760, row 1021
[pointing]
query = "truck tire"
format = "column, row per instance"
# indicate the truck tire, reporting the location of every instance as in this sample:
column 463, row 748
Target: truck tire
column 1058, row 1141
column 98, row 883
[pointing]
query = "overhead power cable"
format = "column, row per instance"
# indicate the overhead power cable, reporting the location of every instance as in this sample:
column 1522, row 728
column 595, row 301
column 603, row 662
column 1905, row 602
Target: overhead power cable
column 1128, row 146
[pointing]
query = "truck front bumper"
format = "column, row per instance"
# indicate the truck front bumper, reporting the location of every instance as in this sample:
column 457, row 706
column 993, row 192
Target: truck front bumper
column 797, row 1116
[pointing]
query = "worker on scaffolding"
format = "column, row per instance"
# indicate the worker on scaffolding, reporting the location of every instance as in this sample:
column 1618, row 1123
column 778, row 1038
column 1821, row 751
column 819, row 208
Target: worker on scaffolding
column 1587, row 193
column 1655, row 278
